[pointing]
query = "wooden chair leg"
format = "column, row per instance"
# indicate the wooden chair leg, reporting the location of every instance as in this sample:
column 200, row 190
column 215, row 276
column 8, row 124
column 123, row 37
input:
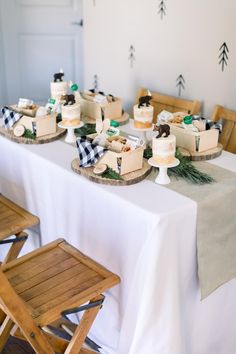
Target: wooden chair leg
column 5, row 331
column 15, row 248
column 82, row 329
column 2, row 317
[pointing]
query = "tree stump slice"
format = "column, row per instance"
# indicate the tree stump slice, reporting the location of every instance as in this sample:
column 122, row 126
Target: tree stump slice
column 204, row 155
column 7, row 133
column 122, row 120
column 128, row 178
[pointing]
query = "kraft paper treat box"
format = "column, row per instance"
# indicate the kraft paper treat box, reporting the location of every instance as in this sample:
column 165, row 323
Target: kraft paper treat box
column 30, row 112
column 123, row 162
column 193, row 141
column 44, row 125
column 92, row 110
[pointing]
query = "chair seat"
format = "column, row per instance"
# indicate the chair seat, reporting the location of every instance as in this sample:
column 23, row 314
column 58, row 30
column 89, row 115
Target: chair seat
column 55, row 278
column 13, row 218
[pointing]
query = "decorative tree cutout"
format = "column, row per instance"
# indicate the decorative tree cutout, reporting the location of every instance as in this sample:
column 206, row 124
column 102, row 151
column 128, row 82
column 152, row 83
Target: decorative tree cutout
column 131, row 55
column 180, row 83
column 223, row 57
column 95, row 83
column 162, row 8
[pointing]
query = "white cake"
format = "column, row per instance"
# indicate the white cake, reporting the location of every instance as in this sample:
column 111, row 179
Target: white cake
column 70, row 114
column 143, row 117
column 163, row 150
column 58, row 89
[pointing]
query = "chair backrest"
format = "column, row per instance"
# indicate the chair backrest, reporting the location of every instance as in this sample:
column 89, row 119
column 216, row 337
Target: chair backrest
column 172, row 104
column 228, row 135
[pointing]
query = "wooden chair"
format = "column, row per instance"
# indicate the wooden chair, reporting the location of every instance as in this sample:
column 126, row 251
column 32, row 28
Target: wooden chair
column 172, row 104
column 13, row 221
column 228, row 135
column 36, row 290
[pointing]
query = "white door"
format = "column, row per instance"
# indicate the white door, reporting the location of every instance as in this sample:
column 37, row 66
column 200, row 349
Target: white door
column 39, row 38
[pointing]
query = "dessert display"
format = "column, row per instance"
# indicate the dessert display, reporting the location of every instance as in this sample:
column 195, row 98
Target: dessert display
column 163, row 150
column 194, row 133
column 97, row 105
column 143, row 113
column 58, row 86
column 70, row 111
column 25, row 106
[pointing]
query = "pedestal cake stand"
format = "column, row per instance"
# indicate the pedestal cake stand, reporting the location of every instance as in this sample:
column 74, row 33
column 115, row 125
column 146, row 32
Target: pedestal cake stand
column 142, row 131
column 70, row 136
column 162, row 177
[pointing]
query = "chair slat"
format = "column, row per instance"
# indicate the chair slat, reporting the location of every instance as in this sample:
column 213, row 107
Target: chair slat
column 228, row 135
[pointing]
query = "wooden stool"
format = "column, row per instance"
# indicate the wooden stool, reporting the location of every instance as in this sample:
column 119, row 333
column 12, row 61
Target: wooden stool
column 13, row 220
column 36, row 290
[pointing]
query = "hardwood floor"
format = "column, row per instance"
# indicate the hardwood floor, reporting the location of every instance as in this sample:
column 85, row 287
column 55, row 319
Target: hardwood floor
column 16, row 346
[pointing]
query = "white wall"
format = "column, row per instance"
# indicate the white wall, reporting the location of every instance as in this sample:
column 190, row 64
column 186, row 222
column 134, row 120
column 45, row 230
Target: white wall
column 2, row 72
column 186, row 41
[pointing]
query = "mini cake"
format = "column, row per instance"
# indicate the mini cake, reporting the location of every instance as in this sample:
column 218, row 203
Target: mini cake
column 163, row 150
column 143, row 112
column 70, row 114
column 58, row 89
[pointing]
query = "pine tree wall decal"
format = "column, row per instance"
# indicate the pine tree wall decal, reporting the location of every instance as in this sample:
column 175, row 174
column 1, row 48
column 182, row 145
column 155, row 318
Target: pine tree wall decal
column 95, row 83
column 162, row 8
column 223, row 57
column 131, row 55
column 180, row 84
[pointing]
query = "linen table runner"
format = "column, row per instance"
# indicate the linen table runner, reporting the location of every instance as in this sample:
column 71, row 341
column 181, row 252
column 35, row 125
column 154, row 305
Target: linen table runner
column 216, row 225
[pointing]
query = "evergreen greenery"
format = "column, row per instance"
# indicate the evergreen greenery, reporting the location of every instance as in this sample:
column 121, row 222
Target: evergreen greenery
column 185, row 169
column 112, row 174
column 85, row 130
column 29, row 135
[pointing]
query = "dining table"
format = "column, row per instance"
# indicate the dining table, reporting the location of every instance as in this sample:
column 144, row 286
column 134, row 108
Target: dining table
column 144, row 232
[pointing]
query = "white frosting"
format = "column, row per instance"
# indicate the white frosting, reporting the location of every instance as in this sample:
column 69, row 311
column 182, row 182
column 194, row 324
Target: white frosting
column 70, row 114
column 143, row 116
column 163, row 149
column 58, row 89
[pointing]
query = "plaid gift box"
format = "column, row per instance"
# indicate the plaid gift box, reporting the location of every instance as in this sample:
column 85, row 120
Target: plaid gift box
column 9, row 117
column 89, row 153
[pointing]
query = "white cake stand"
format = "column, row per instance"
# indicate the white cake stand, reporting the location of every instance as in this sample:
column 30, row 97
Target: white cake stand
column 142, row 131
column 162, row 177
column 70, row 136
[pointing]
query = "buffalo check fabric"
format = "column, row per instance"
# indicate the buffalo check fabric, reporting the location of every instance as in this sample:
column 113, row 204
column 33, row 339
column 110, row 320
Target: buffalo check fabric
column 10, row 117
column 89, row 153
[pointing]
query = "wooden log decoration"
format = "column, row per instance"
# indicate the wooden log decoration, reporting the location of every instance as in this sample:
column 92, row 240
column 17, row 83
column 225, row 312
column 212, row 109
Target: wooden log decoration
column 162, row 129
column 127, row 179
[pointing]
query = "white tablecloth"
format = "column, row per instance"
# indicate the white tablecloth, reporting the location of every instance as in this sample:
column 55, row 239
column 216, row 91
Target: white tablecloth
column 143, row 232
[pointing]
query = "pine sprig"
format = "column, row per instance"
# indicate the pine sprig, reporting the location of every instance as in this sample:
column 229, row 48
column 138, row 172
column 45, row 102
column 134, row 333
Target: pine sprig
column 185, row 169
column 112, row 174
column 188, row 171
column 87, row 129
column 29, row 135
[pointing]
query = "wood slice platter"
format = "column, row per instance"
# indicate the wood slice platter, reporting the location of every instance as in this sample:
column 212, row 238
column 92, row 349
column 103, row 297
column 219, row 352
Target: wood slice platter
column 41, row 140
column 122, row 120
column 129, row 178
column 202, row 156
